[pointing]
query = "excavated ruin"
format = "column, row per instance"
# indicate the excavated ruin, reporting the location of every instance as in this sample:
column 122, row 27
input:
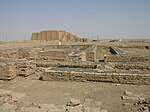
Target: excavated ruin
column 95, row 63
column 67, row 64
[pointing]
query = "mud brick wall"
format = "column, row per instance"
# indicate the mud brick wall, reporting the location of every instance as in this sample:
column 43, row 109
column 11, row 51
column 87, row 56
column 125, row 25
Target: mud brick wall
column 127, row 66
column 52, row 59
column 53, row 54
column 10, row 55
column 25, row 68
column 123, row 78
column 138, row 47
column 66, row 64
column 14, row 55
column 7, row 71
column 23, row 55
column 125, row 58
column 90, row 54
column 54, row 35
column 50, row 47
column 27, row 53
column 55, row 59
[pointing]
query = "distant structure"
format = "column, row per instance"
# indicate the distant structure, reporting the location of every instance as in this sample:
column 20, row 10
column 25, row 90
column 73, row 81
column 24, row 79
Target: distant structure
column 54, row 35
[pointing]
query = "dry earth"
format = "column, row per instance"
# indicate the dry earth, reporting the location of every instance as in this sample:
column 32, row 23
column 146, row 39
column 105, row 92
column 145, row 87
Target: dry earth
column 59, row 93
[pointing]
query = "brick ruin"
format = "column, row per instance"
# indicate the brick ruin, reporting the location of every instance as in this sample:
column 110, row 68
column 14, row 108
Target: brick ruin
column 7, row 70
column 54, row 35
column 94, row 63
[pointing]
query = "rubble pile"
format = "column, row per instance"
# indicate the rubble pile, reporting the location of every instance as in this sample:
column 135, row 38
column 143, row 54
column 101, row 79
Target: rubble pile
column 7, row 70
column 13, row 102
column 135, row 103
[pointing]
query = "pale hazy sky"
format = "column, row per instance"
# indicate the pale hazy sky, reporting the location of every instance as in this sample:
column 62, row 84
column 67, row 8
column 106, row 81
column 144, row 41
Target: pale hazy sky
column 86, row 18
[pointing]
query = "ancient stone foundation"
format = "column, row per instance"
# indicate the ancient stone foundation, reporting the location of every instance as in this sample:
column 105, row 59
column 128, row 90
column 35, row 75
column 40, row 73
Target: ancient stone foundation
column 11, row 69
column 123, row 78
column 90, row 62
column 25, row 68
column 7, row 70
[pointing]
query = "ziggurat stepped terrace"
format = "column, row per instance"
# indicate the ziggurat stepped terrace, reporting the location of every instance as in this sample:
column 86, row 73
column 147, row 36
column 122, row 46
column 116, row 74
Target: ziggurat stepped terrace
column 54, row 35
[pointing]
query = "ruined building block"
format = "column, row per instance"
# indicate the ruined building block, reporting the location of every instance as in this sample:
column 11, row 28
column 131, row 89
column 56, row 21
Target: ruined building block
column 90, row 54
column 7, row 70
column 25, row 68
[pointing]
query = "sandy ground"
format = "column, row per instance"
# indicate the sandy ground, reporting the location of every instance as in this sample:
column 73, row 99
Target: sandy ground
column 60, row 92
column 29, row 43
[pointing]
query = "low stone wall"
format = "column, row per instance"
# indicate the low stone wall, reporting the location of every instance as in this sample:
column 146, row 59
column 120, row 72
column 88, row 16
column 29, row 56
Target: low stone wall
column 90, row 54
column 126, row 58
column 53, row 54
column 51, row 47
column 9, row 55
column 66, row 64
column 123, row 78
column 25, row 68
column 47, row 53
column 128, row 66
column 52, row 59
column 15, row 55
column 7, row 70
